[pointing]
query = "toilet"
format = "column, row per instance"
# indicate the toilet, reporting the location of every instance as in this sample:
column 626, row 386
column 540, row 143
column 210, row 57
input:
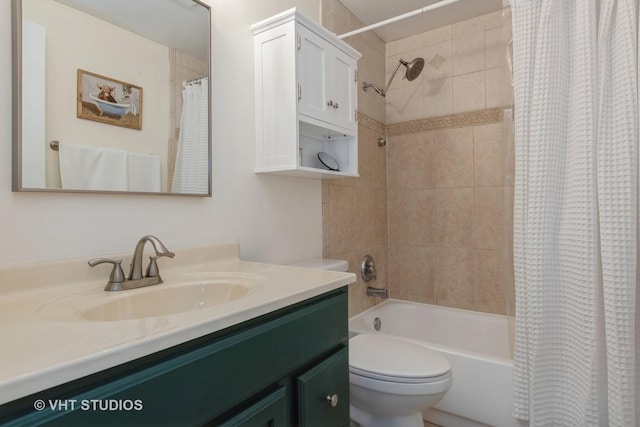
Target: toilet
column 391, row 380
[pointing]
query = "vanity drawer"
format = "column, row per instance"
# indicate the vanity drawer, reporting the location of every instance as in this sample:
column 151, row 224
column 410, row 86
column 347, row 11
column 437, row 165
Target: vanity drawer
column 270, row 411
column 323, row 392
column 200, row 384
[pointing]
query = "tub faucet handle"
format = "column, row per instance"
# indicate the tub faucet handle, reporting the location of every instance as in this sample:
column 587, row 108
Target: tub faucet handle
column 368, row 268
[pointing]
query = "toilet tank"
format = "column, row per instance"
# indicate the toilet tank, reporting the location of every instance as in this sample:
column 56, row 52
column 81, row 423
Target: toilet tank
column 324, row 264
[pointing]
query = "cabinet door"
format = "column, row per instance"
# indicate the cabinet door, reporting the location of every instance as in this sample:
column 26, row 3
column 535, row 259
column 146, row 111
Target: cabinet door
column 323, row 392
column 342, row 89
column 313, row 56
column 269, row 412
column 276, row 97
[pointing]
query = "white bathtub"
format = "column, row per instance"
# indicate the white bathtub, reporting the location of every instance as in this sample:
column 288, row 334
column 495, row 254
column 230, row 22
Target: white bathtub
column 477, row 346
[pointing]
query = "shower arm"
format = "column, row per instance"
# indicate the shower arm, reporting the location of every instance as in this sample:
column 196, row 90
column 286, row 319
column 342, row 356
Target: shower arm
column 383, row 92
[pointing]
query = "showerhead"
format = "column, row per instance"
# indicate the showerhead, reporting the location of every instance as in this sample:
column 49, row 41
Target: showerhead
column 414, row 68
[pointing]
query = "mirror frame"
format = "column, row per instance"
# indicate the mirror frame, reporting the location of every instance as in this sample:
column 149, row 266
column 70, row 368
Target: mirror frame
column 16, row 131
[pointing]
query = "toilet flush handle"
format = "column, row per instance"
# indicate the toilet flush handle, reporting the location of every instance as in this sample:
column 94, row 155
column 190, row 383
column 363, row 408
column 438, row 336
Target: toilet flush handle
column 333, row 400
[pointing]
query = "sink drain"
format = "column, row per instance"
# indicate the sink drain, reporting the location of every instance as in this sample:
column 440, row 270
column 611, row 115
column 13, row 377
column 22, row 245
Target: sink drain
column 377, row 323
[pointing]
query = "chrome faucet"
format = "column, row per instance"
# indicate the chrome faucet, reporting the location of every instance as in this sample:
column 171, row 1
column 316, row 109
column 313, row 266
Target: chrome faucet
column 377, row 292
column 368, row 273
column 117, row 281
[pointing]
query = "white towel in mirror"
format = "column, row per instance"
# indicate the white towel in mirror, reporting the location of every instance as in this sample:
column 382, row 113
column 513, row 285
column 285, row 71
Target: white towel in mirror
column 144, row 172
column 93, row 168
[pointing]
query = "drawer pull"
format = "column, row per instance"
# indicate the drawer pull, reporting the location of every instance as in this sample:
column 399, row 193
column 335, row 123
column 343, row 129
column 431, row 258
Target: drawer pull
column 333, row 400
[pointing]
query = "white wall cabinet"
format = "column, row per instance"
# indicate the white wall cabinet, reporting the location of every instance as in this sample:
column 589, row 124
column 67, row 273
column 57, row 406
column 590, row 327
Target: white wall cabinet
column 327, row 81
column 306, row 98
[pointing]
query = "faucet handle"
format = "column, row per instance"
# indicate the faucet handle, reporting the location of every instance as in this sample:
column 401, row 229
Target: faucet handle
column 152, row 268
column 368, row 269
column 117, row 275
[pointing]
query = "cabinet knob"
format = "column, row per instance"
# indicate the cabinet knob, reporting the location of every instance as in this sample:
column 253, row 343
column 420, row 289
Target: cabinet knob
column 335, row 105
column 333, row 400
column 330, row 104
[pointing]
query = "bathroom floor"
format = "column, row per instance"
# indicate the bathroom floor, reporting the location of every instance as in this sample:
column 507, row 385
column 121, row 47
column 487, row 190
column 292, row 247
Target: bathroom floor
column 426, row 424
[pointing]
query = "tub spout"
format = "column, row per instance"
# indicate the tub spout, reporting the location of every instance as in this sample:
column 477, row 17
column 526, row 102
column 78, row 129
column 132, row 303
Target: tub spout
column 377, row 292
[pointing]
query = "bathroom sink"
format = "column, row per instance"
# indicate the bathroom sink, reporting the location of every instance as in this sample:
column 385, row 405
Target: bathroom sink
column 159, row 301
column 178, row 295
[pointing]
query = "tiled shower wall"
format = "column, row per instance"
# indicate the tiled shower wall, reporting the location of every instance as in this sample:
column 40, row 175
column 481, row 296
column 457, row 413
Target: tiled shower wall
column 466, row 69
column 432, row 207
column 449, row 198
column 450, row 178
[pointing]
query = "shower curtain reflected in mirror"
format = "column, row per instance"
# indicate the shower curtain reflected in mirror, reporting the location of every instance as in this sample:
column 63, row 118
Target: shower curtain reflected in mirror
column 192, row 160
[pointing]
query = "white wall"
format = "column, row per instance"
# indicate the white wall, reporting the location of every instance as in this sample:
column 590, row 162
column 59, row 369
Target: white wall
column 275, row 219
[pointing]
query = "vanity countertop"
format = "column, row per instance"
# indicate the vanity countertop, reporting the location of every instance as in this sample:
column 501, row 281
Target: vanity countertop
column 41, row 350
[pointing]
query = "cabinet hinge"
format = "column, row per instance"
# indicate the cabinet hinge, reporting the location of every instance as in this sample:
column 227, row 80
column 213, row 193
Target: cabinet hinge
column 355, row 112
column 299, row 92
column 299, row 42
column 355, row 76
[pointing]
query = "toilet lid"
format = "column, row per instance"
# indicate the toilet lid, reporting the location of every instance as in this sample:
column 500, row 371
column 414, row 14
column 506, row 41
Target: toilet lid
column 387, row 358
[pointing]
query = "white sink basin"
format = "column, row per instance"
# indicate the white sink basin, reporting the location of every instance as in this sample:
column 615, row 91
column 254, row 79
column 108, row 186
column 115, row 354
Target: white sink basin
column 178, row 295
column 159, row 301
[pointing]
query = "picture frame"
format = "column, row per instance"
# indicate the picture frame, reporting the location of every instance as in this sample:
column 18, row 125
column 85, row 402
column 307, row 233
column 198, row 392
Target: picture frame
column 107, row 100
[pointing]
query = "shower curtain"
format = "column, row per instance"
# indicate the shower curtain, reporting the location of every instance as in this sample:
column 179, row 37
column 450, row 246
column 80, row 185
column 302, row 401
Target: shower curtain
column 192, row 161
column 576, row 212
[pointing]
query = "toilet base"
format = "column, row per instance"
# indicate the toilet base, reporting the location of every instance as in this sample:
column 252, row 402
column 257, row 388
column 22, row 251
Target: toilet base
column 366, row 419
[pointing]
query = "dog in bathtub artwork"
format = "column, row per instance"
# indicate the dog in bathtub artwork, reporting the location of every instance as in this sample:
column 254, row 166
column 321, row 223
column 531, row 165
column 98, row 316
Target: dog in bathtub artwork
column 108, row 100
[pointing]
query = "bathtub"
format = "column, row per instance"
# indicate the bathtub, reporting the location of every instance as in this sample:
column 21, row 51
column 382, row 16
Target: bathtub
column 477, row 346
column 111, row 108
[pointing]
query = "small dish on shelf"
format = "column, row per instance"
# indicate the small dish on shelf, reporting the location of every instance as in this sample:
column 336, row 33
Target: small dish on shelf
column 328, row 161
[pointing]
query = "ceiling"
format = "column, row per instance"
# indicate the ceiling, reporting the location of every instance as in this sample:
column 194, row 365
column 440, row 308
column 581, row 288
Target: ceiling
column 373, row 11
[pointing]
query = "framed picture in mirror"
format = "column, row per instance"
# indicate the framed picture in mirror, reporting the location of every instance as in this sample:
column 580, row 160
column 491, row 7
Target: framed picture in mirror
column 107, row 100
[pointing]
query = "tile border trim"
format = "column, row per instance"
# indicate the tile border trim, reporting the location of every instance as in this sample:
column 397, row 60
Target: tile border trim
column 372, row 124
column 471, row 118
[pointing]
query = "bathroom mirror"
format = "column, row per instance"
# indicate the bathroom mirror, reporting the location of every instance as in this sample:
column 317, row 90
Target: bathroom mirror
column 112, row 96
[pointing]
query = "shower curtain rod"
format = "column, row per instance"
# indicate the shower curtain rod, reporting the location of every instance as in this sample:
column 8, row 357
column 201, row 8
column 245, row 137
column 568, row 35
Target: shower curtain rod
column 399, row 18
column 193, row 81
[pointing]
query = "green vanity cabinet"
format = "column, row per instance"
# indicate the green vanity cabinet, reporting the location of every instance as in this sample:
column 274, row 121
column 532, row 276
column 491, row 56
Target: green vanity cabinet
column 286, row 368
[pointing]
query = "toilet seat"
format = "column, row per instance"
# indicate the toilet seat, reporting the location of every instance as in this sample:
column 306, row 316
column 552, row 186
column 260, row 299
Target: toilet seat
column 395, row 360
column 434, row 386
